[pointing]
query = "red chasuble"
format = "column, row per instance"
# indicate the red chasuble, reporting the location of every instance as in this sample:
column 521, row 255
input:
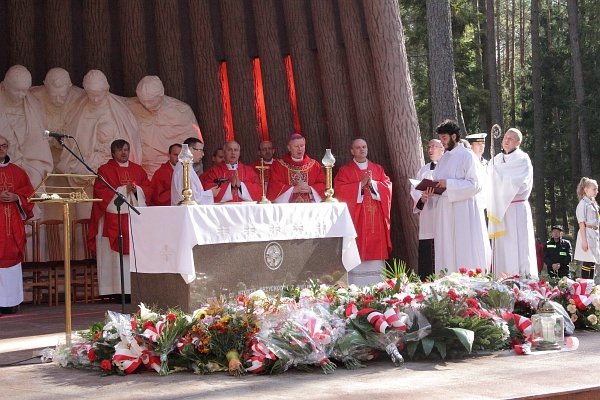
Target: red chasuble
column 12, row 229
column 246, row 174
column 161, row 185
column 371, row 217
column 116, row 176
column 286, row 173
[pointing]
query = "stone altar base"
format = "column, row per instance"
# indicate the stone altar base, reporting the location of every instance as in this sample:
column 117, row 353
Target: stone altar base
column 232, row 269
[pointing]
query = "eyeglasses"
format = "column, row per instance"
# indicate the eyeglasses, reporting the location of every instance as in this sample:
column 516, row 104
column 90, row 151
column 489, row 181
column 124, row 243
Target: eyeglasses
column 3, row 146
column 193, row 148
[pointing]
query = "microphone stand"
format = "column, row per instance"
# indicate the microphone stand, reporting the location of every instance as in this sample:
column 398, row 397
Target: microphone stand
column 118, row 203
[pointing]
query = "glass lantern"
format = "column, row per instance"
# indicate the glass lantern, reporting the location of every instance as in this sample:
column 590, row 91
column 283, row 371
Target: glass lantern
column 186, row 154
column 548, row 327
column 328, row 159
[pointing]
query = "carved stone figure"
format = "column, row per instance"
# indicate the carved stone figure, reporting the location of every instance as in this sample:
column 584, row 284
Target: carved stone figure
column 162, row 120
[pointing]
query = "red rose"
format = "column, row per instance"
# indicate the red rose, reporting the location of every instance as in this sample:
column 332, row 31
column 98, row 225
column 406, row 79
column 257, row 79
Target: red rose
column 470, row 272
column 478, row 271
column 420, row 296
column 134, row 324
column 462, row 270
column 106, row 365
column 473, row 303
column 453, row 295
column 171, row 317
column 91, row 354
column 148, row 324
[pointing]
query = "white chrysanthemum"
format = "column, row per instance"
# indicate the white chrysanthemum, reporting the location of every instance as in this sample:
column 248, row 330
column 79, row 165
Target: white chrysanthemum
column 571, row 308
column 593, row 319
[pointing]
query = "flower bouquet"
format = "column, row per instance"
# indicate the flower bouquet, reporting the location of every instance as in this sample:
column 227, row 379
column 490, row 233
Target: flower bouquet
column 300, row 336
column 225, row 331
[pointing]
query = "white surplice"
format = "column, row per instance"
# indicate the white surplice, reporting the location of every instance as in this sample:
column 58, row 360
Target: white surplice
column 426, row 215
column 200, row 195
column 510, row 221
column 460, row 235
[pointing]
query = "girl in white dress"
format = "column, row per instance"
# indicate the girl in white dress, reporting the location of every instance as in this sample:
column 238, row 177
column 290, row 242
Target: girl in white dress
column 587, row 248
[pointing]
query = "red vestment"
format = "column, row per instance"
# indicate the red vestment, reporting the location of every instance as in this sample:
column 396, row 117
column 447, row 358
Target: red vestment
column 116, row 175
column 286, row 173
column 12, row 230
column 371, row 217
column 246, row 174
column 161, row 185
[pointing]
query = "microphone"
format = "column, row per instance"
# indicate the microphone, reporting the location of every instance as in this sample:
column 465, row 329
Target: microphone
column 219, row 181
column 56, row 135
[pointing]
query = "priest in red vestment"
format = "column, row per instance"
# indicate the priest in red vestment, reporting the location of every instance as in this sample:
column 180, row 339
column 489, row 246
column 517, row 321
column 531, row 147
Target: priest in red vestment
column 15, row 187
column 236, row 182
column 296, row 178
column 129, row 179
column 161, row 180
column 367, row 190
column 265, row 158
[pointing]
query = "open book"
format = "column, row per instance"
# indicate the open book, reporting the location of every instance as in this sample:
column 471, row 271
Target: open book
column 426, row 183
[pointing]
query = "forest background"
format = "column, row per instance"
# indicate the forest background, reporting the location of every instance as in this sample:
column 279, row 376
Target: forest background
column 546, row 84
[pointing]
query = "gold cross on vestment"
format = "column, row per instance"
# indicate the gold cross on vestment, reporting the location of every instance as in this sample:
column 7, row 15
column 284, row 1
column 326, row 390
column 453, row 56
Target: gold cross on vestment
column 4, row 183
column 371, row 210
column 125, row 178
column 7, row 214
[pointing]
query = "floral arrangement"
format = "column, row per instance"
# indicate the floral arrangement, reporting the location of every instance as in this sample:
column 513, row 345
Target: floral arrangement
column 320, row 325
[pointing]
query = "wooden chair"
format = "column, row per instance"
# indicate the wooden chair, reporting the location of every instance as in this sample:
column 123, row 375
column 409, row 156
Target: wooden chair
column 84, row 274
column 51, row 231
column 37, row 276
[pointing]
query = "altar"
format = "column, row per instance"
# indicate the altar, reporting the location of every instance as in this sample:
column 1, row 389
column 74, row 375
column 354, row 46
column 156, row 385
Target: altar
column 182, row 256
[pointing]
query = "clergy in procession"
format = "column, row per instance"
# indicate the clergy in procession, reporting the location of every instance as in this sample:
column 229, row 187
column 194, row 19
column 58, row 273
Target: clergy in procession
column 424, row 205
column 161, row 181
column 130, row 180
column 367, row 190
column 296, row 178
column 199, row 195
column 265, row 157
column 510, row 220
column 15, row 187
column 460, row 234
column 234, row 181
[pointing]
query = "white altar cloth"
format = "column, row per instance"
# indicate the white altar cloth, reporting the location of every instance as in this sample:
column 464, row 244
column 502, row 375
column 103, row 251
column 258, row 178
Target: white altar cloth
column 162, row 238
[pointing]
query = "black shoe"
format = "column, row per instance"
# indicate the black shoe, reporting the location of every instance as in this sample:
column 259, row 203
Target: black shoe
column 9, row 310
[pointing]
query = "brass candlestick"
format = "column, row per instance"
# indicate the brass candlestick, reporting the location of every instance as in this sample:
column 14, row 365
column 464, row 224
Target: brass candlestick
column 186, row 159
column 328, row 163
column 261, row 168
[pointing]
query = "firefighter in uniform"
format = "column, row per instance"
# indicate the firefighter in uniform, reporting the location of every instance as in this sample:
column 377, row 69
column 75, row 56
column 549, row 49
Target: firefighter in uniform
column 557, row 253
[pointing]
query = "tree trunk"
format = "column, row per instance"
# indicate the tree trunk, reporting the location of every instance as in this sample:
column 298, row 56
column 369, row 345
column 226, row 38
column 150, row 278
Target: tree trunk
column 309, row 93
column 492, row 70
column 240, row 72
column 168, row 46
column 480, row 62
column 59, row 35
column 586, row 163
column 363, row 83
column 275, row 84
column 399, row 115
column 538, row 133
column 211, row 99
column 441, row 61
column 133, row 43
column 21, row 23
column 96, row 37
column 341, row 116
